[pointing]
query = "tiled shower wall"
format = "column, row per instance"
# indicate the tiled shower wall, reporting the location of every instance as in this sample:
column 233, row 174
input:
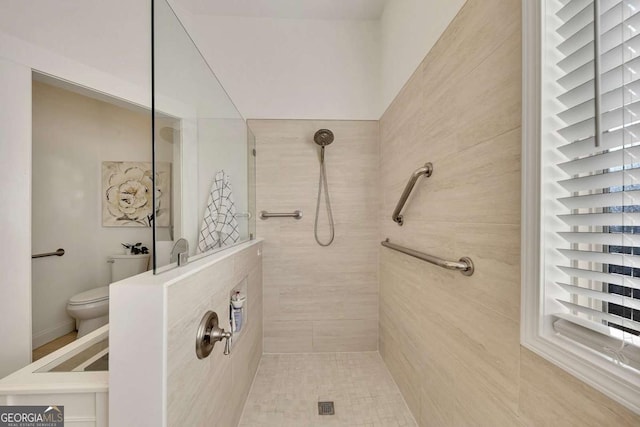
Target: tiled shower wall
column 452, row 342
column 318, row 299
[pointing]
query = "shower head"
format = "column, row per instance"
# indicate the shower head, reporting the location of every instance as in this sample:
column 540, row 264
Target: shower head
column 323, row 137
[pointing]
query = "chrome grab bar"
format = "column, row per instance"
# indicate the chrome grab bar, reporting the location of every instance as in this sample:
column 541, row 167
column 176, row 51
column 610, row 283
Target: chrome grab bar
column 464, row 266
column 426, row 170
column 294, row 214
column 59, row 252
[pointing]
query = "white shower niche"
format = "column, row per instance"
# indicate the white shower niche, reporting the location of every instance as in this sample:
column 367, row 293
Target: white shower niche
column 238, row 313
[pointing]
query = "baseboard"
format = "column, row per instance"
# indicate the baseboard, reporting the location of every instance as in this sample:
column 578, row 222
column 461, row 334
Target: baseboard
column 52, row 333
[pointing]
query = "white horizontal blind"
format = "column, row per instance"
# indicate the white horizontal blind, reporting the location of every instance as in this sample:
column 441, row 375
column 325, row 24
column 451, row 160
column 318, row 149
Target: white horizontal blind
column 598, row 303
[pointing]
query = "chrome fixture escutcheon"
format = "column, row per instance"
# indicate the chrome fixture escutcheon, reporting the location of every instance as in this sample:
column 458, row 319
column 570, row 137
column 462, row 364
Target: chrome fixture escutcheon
column 209, row 333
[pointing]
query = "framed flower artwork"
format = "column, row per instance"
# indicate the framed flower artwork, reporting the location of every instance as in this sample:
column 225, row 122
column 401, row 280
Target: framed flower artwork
column 127, row 189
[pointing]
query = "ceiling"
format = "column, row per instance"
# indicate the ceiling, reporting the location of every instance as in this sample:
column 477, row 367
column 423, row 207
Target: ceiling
column 288, row 9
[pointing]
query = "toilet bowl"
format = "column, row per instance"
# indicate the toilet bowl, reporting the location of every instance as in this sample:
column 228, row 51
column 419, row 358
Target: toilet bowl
column 90, row 308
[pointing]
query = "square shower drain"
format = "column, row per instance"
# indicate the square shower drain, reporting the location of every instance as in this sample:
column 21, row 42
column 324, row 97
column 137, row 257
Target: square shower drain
column 326, row 408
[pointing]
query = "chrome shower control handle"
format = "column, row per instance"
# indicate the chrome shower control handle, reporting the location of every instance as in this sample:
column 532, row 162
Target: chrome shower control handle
column 209, row 333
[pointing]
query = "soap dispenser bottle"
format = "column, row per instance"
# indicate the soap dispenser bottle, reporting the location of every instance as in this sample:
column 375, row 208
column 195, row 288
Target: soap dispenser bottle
column 237, row 311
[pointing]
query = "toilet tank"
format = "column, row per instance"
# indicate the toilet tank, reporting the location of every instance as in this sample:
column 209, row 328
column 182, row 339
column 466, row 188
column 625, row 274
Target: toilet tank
column 123, row 266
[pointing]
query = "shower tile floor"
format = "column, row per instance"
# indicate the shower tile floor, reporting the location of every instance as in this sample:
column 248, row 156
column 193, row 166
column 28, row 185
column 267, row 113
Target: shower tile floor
column 288, row 387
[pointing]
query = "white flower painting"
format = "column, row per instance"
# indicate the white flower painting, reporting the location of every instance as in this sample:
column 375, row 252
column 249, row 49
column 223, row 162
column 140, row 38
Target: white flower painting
column 127, row 189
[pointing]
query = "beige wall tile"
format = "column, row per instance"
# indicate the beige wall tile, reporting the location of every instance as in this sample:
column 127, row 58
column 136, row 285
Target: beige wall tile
column 246, row 359
column 436, row 409
column 214, row 388
column 495, row 251
column 495, row 85
column 404, row 363
column 447, row 330
column 487, row 182
column 564, row 398
column 400, row 118
column 288, row 336
column 480, row 405
column 345, row 335
column 480, row 184
column 304, row 283
column 478, row 29
column 452, row 342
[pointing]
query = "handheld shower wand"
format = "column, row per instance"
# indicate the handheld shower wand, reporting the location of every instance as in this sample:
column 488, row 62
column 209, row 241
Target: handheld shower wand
column 323, row 137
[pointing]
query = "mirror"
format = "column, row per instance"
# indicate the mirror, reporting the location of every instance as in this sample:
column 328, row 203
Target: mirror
column 203, row 151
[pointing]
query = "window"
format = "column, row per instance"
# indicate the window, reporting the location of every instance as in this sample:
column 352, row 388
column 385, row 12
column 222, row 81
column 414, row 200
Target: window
column 581, row 190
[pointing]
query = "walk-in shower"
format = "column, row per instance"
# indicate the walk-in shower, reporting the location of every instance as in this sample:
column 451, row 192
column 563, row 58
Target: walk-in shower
column 323, row 137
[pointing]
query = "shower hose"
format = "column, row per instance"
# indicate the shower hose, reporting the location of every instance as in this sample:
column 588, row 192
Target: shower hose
column 322, row 182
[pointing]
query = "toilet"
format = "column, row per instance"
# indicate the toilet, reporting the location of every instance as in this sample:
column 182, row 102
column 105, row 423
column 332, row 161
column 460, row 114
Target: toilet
column 91, row 308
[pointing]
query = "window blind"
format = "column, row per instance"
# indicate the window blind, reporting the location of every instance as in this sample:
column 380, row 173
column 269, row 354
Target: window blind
column 597, row 303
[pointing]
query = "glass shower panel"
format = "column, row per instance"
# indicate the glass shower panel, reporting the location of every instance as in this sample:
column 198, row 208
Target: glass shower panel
column 202, row 150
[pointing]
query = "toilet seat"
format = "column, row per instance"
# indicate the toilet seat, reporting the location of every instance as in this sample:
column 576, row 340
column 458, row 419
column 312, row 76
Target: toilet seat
column 90, row 296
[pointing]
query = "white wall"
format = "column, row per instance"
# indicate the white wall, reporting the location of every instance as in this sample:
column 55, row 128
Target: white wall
column 319, row 69
column 111, row 37
column 15, row 205
column 409, row 30
column 183, row 82
column 72, row 136
column 293, row 68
